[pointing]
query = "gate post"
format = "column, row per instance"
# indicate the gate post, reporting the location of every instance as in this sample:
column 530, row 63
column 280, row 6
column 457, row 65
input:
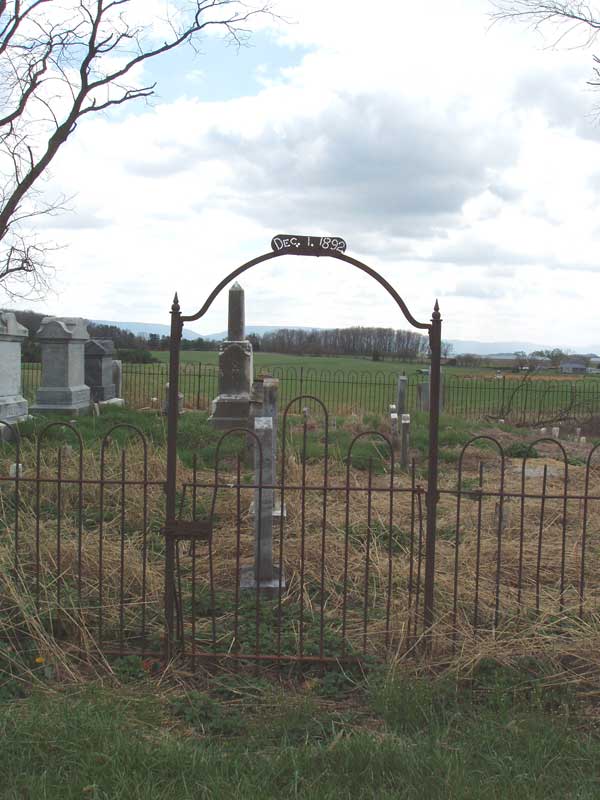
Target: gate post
column 435, row 344
column 171, row 485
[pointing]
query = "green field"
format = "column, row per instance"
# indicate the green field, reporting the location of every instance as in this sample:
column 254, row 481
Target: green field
column 349, row 385
column 332, row 363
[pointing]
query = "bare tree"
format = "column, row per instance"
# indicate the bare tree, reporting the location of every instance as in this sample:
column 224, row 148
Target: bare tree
column 568, row 22
column 60, row 61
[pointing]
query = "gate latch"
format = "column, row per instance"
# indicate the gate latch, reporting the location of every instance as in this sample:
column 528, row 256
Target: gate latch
column 199, row 529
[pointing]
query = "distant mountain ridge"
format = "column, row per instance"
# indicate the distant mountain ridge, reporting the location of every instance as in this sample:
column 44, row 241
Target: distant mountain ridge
column 460, row 345
column 164, row 330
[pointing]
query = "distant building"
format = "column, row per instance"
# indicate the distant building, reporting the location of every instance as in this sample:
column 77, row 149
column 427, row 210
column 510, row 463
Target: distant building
column 572, row 368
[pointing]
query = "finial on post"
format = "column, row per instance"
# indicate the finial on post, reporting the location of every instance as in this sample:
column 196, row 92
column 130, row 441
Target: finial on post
column 436, row 310
column 175, row 306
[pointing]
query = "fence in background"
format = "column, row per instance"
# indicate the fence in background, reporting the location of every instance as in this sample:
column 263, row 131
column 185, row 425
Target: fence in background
column 514, row 399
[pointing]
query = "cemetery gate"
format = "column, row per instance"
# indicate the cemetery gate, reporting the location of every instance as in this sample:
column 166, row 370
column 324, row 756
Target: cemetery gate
column 294, row 561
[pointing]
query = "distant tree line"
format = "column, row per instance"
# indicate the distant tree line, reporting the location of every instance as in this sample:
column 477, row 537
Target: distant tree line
column 376, row 343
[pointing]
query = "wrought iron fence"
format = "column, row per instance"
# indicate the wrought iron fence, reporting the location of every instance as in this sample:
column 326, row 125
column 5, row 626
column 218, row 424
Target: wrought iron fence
column 83, row 542
column 518, row 400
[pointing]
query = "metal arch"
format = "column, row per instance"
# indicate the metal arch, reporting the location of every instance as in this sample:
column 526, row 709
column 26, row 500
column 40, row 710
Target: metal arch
column 340, row 256
column 434, row 330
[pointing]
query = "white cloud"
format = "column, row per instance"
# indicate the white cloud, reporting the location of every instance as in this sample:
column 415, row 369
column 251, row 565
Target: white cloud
column 451, row 167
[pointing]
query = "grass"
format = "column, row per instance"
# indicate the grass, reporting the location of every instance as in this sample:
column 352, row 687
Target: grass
column 510, row 714
column 196, row 436
column 500, row 733
column 267, row 361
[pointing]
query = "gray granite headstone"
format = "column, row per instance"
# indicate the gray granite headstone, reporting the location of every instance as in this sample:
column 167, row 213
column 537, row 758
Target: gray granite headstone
column 264, row 574
column 231, row 408
column 402, row 394
column 13, row 406
column 99, row 369
column 63, row 385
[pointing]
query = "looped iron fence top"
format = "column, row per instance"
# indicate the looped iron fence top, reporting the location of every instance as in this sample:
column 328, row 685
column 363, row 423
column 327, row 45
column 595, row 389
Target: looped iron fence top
column 331, row 254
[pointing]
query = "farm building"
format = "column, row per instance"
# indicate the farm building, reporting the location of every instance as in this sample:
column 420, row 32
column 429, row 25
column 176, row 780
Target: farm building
column 573, row 368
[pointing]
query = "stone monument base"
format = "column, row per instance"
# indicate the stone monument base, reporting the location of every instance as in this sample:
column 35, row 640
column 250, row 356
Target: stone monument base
column 230, row 412
column 80, row 411
column 73, row 400
column 248, row 579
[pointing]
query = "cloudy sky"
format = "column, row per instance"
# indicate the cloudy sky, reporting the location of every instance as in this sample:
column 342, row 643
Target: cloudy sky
column 460, row 160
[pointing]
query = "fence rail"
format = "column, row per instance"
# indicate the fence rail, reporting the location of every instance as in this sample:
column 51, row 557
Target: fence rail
column 514, row 399
column 83, row 545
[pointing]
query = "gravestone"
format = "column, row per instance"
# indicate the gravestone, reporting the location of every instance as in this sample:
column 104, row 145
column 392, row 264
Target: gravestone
column 401, row 404
column 395, row 434
column 117, row 376
column 263, row 574
column 424, row 392
column 165, row 406
column 423, row 396
column 63, row 385
column 231, row 408
column 404, row 440
column 99, row 369
column 13, row 406
column 264, row 404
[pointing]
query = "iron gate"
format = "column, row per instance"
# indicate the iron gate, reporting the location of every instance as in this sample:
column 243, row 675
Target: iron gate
column 186, row 539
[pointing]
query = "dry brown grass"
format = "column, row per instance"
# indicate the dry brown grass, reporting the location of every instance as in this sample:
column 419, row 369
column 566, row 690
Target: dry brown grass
column 68, row 636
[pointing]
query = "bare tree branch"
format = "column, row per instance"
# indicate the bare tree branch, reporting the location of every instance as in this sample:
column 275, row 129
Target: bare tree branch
column 60, row 61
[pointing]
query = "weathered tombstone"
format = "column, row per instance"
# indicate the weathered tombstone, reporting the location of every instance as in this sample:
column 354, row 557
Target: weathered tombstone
column 423, row 396
column 556, row 432
column 99, row 369
column 424, row 392
column 231, row 408
column 404, row 440
column 165, row 407
column 117, row 376
column 270, row 393
column 402, row 394
column 264, row 404
column 394, row 430
column 263, row 573
column 13, row 406
column 63, row 381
